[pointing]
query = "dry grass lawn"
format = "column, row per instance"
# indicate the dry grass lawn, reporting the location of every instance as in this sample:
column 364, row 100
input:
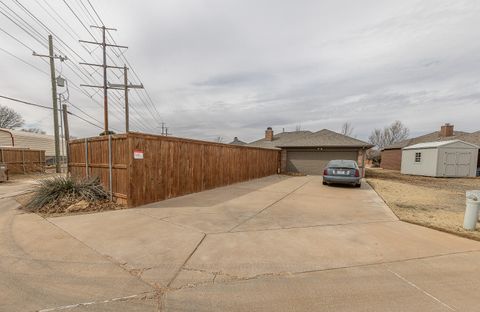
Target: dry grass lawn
column 438, row 203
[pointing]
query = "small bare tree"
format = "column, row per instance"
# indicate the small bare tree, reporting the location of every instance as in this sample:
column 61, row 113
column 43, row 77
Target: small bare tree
column 298, row 127
column 10, row 119
column 389, row 135
column 347, row 129
column 219, row 139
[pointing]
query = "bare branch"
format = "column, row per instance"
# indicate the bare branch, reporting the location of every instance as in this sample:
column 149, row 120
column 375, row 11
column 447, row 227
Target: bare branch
column 10, row 119
column 392, row 134
column 347, row 129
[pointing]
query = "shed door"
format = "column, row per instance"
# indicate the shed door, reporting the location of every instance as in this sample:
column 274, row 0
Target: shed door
column 463, row 164
column 457, row 164
column 450, row 164
column 315, row 161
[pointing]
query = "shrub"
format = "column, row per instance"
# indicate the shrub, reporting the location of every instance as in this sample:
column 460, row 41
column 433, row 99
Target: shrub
column 66, row 188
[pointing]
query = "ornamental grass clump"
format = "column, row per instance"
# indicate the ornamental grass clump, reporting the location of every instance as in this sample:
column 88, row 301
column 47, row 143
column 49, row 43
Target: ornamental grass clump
column 57, row 194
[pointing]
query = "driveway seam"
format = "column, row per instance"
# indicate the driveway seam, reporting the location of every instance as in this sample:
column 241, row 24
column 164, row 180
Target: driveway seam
column 305, row 227
column 268, row 206
column 285, row 273
column 177, row 224
column 420, row 289
column 186, row 260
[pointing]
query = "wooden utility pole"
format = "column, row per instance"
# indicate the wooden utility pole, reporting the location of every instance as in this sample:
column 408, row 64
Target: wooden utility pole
column 125, row 86
column 66, row 132
column 105, row 66
column 52, row 58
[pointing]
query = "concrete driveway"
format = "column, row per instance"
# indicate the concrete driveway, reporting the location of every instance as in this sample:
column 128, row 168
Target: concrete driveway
column 273, row 244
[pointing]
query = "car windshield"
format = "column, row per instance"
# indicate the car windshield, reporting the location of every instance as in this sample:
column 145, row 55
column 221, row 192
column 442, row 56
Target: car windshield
column 342, row 164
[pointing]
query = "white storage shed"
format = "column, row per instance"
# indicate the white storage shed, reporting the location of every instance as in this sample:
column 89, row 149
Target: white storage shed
column 453, row 158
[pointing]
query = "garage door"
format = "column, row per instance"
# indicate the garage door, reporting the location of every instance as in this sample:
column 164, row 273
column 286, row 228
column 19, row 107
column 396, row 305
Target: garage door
column 314, row 162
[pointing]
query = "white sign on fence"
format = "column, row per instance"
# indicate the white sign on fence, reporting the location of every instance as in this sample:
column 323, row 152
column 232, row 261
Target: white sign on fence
column 137, row 154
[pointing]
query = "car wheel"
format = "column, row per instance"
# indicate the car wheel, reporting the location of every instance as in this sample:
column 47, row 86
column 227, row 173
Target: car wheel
column 324, row 183
column 358, row 184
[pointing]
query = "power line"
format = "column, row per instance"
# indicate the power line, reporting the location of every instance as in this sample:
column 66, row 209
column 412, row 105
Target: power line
column 81, row 70
column 23, row 61
column 129, row 65
column 46, row 107
column 33, row 32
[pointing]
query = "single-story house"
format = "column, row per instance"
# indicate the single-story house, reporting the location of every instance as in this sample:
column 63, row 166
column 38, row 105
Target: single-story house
column 308, row 152
column 23, row 139
column 237, row 141
column 453, row 158
column 391, row 156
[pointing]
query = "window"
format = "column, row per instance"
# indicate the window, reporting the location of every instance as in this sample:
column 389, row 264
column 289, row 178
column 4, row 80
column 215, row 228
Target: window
column 418, row 157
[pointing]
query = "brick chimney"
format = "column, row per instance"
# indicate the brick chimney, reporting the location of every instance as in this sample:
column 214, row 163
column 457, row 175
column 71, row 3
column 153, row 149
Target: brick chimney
column 446, row 130
column 269, row 134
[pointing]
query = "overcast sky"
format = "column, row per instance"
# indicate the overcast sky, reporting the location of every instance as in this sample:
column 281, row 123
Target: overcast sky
column 231, row 68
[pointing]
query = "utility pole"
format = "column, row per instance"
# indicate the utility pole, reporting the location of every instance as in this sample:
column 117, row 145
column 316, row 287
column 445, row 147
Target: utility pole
column 52, row 58
column 126, row 86
column 105, row 66
column 66, row 132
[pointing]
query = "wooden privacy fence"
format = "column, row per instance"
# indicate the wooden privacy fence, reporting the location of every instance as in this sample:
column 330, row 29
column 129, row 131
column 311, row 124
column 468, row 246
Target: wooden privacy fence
column 21, row 160
column 141, row 168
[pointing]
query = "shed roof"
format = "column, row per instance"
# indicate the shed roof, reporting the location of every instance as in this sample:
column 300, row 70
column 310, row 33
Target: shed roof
column 437, row 144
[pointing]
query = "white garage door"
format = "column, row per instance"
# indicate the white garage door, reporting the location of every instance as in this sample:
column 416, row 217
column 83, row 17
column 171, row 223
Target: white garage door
column 315, row 161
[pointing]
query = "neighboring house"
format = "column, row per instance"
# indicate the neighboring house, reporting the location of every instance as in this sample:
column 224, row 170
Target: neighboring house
column 308, row 152
column 236, row 141
column 392, row 155
column 453, row 158
column 23, row 139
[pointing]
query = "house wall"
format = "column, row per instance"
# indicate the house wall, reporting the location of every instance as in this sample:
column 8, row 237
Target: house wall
column 391, row 159
column 426, row 167
column 283, row 161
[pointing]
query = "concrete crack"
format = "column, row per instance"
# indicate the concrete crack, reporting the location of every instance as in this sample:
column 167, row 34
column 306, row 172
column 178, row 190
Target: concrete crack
column 82, row 304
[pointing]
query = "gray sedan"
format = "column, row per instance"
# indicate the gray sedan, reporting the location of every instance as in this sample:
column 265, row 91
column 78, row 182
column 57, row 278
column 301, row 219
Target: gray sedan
column 342, row 172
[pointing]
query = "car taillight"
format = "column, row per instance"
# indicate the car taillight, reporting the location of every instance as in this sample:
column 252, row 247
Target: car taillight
column 325, row 171
column 357, row 173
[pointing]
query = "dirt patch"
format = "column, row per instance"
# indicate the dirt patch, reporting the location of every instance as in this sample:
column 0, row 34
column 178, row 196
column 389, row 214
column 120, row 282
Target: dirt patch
column 434, row 202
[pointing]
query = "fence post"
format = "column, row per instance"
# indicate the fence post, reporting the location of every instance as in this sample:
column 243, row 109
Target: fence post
column 86, row 158
column 40, row 164
column 110, row 166
column 23, row 161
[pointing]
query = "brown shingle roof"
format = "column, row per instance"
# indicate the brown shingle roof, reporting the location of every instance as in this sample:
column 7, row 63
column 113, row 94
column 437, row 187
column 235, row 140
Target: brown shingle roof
column 322, row 138
column 279, row 138
column 473, row 137
column 430, row 137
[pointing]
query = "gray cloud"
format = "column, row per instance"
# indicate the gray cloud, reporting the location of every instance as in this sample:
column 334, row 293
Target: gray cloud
column 216, row 68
